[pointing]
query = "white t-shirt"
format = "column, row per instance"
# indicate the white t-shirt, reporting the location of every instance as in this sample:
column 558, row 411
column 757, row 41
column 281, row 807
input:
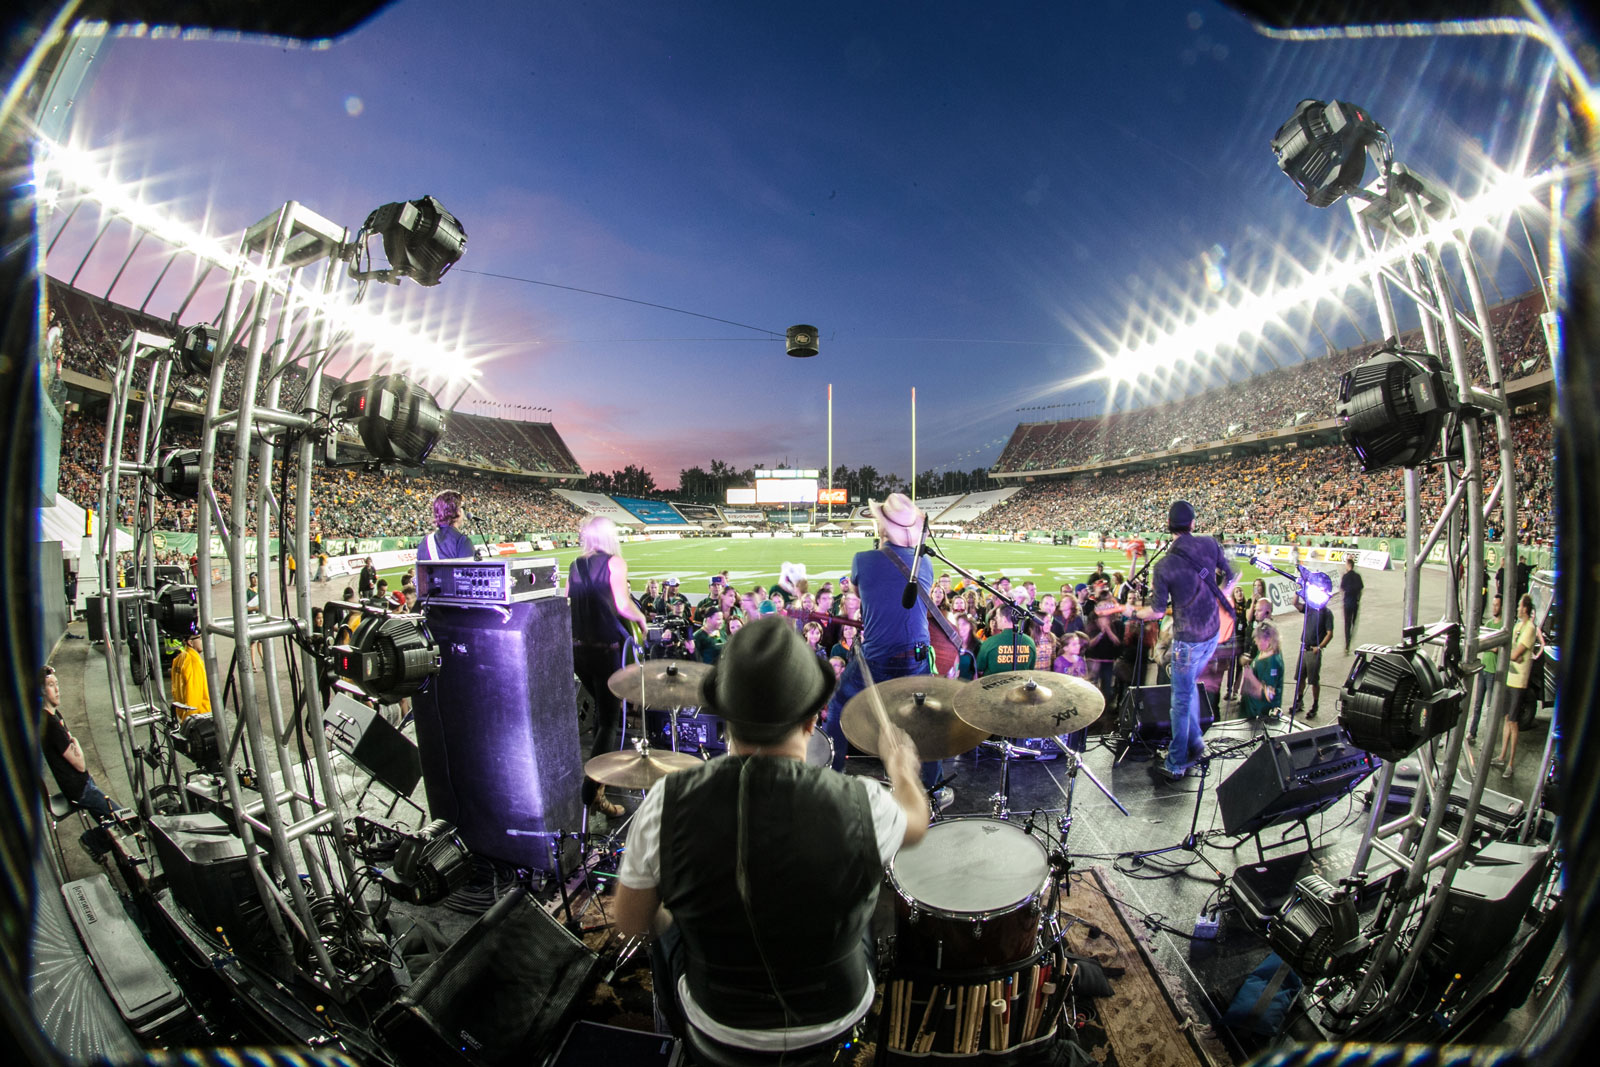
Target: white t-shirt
column 641, row 869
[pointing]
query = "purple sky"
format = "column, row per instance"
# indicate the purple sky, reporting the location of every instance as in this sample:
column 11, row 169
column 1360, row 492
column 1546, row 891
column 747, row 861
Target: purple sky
column 956, row 197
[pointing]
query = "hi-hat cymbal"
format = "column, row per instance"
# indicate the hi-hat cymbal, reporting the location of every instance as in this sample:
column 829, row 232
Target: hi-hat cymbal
column 660, row 684
column 631, row 769
column 922, row 706
column 1029, row 704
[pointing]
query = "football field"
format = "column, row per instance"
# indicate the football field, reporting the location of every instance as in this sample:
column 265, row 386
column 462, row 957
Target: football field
column 757, row 562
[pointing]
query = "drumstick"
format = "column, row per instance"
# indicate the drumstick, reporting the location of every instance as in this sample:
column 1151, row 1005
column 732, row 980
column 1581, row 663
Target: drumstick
column 959, row 1042
column 978, row 1005
column 927, row 1013
column 902, row 1006
column 877, row 704
column 997, row 1038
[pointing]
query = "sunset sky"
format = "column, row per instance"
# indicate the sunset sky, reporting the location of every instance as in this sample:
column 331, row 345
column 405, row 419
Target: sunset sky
column 970, row 200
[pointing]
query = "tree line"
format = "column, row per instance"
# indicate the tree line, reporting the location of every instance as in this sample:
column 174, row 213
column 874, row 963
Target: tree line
column 710, row 484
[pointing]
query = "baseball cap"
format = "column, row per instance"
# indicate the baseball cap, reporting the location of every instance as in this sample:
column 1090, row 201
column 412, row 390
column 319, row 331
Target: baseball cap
column 671, row 581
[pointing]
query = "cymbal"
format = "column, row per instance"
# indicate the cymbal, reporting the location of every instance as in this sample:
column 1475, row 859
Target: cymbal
column 631, row 769
column 1030, row 704
column 660, row 683
column 922, row 706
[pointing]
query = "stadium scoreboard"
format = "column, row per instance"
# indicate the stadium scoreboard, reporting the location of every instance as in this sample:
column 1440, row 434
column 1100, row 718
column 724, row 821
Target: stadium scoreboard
column 779, row 487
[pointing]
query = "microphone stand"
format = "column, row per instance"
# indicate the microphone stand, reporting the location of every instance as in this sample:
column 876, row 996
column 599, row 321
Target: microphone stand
column 1138, row 583
column 908, row 599
column 1019, row 612
column 477, row 552
column 1300, row 664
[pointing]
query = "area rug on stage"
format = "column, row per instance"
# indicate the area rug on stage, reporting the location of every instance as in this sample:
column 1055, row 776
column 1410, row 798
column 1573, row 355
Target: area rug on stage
column 1147, row 1021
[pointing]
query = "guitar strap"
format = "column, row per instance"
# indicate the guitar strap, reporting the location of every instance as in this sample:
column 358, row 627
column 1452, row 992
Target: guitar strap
column 934, row 613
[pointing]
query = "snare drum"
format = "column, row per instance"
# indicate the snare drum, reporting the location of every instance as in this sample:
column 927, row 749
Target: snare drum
column 819, row 748
column 971, row 896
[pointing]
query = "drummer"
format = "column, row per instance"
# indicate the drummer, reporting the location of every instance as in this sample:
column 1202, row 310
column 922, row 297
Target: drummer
column 766, row 946
column 893, row 640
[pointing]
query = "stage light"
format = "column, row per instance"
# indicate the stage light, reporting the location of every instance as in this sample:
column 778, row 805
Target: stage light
column 178, row 474
column 196, row 348
column 1319, row 587
column 429, row 865
column 421, row 240
column 389, row 657
column 1394, row 699
column 1393, row 407
column 801, row 341
column 1323, row 148
column 1318, row 932
column 177, row 610
column 398, row 420
column 196, row 738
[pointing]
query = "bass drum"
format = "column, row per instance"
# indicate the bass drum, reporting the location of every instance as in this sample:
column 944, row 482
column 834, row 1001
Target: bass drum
column 971, row 897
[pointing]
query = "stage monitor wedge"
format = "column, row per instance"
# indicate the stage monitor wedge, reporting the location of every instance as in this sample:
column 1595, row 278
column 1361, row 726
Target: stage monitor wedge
column 1290, row 776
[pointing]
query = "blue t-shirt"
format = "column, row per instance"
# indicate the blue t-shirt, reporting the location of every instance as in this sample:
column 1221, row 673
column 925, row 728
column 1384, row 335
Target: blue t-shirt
column 889, row 629
column 451, row 543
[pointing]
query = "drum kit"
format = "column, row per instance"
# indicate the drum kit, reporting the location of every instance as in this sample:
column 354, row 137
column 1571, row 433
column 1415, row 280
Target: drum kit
column 978, row 963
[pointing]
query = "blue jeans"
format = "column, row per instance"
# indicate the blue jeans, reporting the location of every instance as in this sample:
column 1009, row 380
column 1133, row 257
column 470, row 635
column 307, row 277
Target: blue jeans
column 1484, row 686
column 94, row 800
column 852, row 681
column 1189, row 658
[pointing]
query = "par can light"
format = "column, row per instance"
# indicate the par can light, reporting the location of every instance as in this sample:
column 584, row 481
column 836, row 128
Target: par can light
column 1323, row 148
column 196, row 348
column 178, row 474
column 177, row 611
column 1393, row 407
column 421, row 240
column 389, row 657
column 398, row 420
column 801, row 341
column 1318, row 931
column 1395, row 699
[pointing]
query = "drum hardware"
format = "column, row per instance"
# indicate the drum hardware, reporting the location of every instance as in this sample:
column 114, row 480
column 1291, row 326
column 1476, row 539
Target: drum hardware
column 1191, row 843
column 1026, row 704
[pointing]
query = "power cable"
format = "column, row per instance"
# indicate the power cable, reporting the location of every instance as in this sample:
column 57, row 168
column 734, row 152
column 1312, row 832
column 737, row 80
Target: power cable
column 624, row 299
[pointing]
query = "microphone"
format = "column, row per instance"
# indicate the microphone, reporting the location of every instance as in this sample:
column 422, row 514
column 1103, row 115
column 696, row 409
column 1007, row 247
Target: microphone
column 909, row 597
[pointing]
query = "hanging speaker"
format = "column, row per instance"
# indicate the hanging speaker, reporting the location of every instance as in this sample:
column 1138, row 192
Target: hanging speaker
column 801, row 341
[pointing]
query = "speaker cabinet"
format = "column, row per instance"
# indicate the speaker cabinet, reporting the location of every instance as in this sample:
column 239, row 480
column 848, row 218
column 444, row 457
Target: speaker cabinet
column 1485, row 904
column 1146, row 711
column 1290, row 776
column 497, row 728
column 372, row 743
column 204, row 864
column 502, row 994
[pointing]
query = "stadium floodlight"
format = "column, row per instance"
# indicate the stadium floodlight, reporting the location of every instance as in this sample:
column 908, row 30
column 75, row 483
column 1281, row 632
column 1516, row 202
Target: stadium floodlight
column 398, row 421
column 196, row 348
column 177, row 610
column 421, row 240
column 389, row 657
column 1318, row 930
column 178, row 474
column 1394, row 699
column 1393, row 407
column 801, row 341
column 1323, row 148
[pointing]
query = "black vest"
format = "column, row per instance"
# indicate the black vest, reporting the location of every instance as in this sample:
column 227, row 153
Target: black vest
column 594, row 610
column 813, row 873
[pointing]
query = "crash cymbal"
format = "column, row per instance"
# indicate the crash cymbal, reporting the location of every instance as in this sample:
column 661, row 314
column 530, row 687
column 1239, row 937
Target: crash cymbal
column 922, row 706
column 1029, row 704
column 660, row 683
column 632, row 769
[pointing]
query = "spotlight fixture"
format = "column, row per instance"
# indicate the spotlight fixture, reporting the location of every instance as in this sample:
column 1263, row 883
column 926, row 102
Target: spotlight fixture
column 196, row 738
column 1318, row 932
column 389, row 657
column 1323, row 148
column 398, row 420
column 178, row 474
column 1393, row 407
column 1318, row 586
column 421, row 240
column 429, row 865
column 1395, row 699
column 801, row 341
column 177, row 611
column 196, row 348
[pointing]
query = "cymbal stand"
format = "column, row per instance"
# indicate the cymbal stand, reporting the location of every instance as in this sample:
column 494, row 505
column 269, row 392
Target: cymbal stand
column 1000, row 799
column 1075, row 764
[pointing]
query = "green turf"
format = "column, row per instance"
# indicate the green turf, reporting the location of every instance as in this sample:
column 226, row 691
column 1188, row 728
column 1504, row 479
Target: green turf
column 694, row 560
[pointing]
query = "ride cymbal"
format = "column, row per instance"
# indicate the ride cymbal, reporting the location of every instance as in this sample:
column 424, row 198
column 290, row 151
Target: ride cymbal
column 1029, row 704
column 660, row 684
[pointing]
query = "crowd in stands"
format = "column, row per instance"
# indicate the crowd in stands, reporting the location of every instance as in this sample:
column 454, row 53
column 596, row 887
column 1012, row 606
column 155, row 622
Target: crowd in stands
column 1290, row 396
column 1319, row 492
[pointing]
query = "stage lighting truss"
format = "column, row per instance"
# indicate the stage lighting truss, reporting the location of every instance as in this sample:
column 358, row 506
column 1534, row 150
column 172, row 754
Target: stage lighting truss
column 389, row 657
column 1393, row 408
column 421, row 241
column 1406, row 227
column 131, row 473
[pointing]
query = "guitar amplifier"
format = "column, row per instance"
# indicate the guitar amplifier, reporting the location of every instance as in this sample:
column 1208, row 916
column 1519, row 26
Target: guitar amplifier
column 372, row 743
column 1291, row 776
column 471, row 582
